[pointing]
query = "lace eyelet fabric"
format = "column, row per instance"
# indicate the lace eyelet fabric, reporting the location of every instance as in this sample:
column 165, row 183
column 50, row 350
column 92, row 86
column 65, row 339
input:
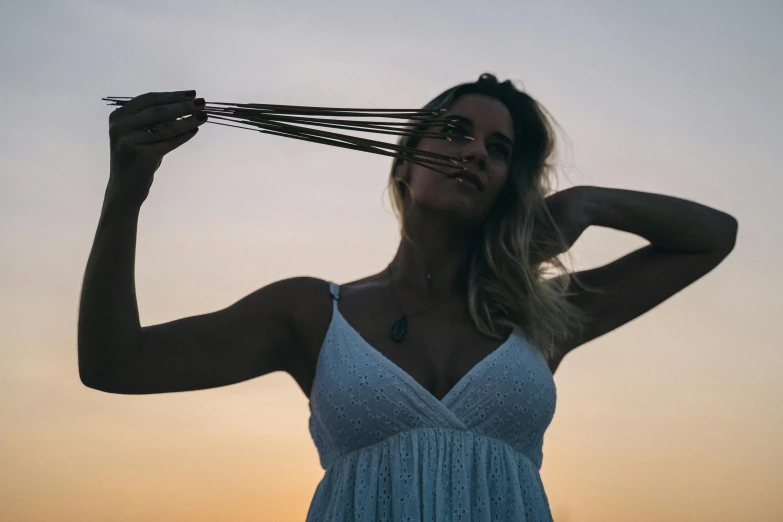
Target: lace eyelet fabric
column 393, row 452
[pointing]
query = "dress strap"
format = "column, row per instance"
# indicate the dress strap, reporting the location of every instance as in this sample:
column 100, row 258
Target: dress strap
column 334, row 289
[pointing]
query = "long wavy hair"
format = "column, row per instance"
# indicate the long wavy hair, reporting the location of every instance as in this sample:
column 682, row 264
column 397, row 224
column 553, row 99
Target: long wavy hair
column 506, row 287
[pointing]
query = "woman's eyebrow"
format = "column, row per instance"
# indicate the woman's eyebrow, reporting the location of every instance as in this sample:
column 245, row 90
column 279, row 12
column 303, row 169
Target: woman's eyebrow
column 467, row 120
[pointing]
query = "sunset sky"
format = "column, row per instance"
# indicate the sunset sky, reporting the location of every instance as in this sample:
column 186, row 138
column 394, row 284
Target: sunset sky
column 676, row 416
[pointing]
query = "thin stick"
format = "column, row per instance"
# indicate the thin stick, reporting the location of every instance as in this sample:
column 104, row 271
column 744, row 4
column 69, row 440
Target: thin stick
column 323, row 111
column 407, row 116
column 349, row 146
column 252, row 115
column 370, row 126
column 332, row 109
column 346, row 137
column 363, row 144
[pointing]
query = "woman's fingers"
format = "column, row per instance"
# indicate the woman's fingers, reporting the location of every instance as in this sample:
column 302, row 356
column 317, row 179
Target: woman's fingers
column 171, row 129
column 160, row 148
column 142, row 110
column 160, row 114
column 152, row 99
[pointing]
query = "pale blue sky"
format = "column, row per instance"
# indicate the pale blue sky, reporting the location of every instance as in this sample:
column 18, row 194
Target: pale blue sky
column 678, row 98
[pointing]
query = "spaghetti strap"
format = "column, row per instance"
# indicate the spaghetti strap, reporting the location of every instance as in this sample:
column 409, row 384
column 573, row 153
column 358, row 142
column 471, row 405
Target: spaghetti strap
column 334, row 289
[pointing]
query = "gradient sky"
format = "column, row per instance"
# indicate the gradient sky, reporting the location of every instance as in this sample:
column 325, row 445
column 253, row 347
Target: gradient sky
column 676, row 416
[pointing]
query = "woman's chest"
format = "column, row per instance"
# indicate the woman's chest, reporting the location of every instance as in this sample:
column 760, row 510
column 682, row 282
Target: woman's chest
column 437, row 349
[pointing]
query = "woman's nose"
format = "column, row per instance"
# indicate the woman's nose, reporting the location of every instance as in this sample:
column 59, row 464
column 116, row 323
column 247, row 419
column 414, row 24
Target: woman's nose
column 476, row 149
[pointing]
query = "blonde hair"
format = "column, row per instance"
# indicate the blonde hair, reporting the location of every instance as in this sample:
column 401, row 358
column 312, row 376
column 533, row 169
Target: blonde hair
column 505, row 283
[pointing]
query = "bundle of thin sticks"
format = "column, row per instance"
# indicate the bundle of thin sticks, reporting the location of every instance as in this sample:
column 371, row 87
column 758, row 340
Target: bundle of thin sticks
column 288, row 121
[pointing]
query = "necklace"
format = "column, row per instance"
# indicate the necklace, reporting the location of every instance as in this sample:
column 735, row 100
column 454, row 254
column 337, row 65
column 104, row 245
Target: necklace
column 400, row 326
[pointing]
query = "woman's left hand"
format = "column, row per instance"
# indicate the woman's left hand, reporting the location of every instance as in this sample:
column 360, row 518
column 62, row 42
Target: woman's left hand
column 570, row 211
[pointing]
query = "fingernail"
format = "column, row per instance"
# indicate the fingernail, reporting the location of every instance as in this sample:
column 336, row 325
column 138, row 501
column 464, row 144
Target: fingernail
column 190, row 93
column 198, row 101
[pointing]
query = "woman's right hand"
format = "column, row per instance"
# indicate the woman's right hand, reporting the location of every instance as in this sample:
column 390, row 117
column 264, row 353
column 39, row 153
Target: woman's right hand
column 135, row 154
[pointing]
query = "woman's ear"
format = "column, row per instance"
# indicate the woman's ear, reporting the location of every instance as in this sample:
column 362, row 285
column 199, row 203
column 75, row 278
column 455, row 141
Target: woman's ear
column 400, row 173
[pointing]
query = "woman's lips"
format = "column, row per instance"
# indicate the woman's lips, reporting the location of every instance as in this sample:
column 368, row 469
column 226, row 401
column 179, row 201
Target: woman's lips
column 466, row 181
column 469, row 177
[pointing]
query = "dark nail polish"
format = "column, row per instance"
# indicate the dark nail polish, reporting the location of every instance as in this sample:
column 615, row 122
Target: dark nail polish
column 198, row 101
column 190, row 93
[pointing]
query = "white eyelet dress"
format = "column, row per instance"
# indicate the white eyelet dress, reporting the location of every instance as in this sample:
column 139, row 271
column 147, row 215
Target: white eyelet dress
column 393, row 452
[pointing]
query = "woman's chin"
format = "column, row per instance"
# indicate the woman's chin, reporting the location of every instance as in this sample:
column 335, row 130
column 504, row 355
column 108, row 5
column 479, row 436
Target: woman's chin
column 459, row 209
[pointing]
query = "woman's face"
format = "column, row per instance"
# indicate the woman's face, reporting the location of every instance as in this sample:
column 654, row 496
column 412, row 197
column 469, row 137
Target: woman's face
column 488, row 155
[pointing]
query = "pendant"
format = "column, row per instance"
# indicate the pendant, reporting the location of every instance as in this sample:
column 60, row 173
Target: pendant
column 399, row 328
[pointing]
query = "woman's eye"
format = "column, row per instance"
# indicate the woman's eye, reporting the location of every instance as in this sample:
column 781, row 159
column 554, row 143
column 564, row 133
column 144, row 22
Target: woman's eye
column 449, row 128
column 503, row 150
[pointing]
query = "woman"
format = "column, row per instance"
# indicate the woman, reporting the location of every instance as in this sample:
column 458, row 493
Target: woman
column 430, row 385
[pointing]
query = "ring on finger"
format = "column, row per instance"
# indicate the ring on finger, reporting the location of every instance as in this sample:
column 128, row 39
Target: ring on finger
column 151, row 129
